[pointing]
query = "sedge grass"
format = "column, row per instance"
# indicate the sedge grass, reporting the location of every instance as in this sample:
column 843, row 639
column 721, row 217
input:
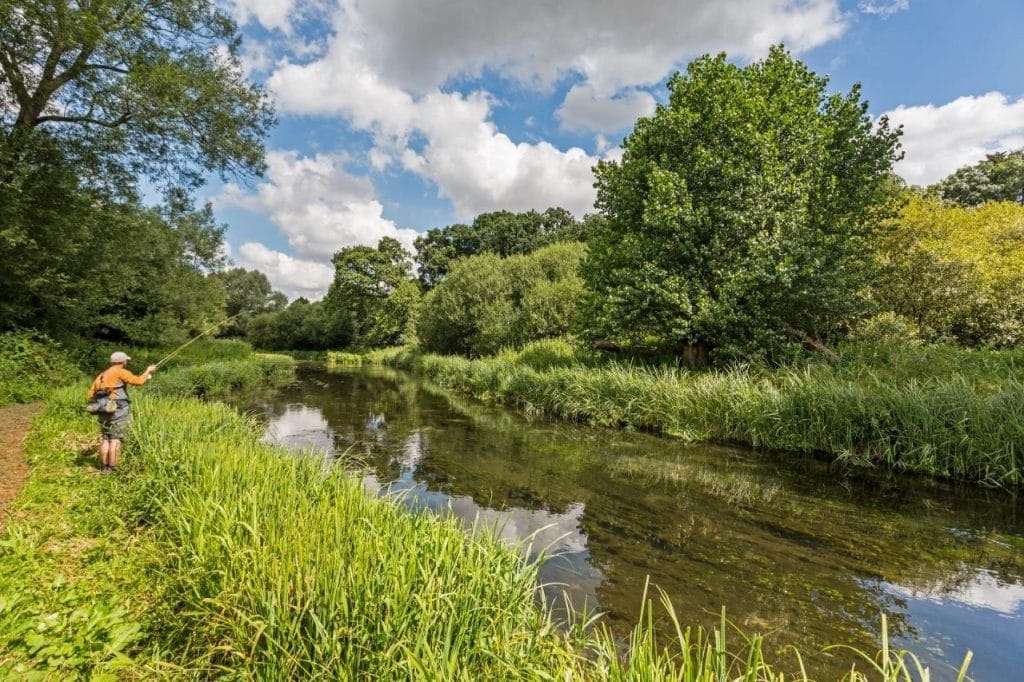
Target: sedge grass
column 961, row 416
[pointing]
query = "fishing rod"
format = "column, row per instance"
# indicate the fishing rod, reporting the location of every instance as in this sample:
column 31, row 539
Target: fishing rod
column 194, row 339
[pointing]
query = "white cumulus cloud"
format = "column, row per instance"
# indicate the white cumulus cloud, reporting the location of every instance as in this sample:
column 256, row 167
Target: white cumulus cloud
column 461, row 150
column 294, row 276
column 422, row 45
column 317, row 204
column 939, row 139
column 269, row 13
column 584, row 108
column 387, row 65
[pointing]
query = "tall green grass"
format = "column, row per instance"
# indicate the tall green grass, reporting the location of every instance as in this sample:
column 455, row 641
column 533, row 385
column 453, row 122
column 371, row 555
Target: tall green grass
column 944, row 412
column 338, row 358
column 261, row 565
column 223, row 379
column 93, row 356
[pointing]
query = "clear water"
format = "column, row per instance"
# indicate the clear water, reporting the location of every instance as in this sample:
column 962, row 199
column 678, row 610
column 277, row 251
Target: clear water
column 806, row 552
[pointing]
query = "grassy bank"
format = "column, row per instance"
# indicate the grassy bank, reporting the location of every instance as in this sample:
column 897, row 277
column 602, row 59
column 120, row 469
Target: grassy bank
column 213, row 555
column 939, row 411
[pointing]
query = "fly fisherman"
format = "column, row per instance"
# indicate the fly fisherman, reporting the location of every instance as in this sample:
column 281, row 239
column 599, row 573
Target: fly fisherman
column 113, row 382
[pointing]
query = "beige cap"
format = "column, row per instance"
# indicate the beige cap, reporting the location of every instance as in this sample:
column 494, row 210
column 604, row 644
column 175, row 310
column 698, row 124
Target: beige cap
column 118, row 357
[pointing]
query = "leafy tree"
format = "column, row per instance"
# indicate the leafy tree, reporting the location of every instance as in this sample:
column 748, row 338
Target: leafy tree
column 115, row 271
column 130, row 87
column 500, row 232
column 957, row 273
column 999, row 177
column 488, row 303
column 364, row 278
column 743, row 213
column 148, row 280
column 247, row 294
column 300, row 326
column 393, row 322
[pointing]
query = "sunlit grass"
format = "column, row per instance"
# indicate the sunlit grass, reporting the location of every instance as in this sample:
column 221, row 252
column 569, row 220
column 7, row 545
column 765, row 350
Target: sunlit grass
column 945, row 412
column 237, row 560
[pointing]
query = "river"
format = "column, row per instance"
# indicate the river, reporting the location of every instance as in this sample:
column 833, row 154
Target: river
column 807, row 552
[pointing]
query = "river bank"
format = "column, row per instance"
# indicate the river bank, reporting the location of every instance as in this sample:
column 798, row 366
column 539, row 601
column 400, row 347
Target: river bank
column 942, row 412
column 212, row 554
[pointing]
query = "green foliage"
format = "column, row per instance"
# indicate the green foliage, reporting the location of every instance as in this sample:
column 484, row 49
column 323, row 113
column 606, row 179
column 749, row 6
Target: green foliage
column 886, row 329
column 131, row 87
column 998, row 177
column 92, row 357
column 500, row 232
column 957, row 273
column 32, row 365
column 337, row 358
column 79, row 263
column 248, row 293
column 393, row 320
column 365, row 278
column 224, row 379
column 301, row 326
column 742, row 215
column 936, row 410
column 488, row 302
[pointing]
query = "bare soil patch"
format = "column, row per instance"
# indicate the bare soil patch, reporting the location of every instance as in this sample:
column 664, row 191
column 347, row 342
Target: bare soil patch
column 14, row 423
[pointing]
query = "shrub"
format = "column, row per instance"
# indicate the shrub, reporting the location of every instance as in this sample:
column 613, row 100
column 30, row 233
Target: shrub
column 31, row 364
column 487, row 303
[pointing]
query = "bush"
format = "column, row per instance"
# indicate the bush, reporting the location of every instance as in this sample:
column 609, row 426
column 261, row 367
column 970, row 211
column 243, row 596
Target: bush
column 957, row 273
column 886, row 329
column 487, row 303
column 31, row 364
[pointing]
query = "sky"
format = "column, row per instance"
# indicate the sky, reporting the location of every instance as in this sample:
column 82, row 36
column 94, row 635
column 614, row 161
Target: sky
column 396, row 116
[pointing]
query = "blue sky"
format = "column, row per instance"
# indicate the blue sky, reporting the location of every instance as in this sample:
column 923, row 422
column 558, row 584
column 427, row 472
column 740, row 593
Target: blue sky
column 400, row 115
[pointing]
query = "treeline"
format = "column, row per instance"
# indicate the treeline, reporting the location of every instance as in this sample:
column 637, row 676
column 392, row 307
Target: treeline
column 751, row 218
column 383, row 295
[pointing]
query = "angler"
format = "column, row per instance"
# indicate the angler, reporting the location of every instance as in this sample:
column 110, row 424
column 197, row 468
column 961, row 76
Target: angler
column 108, row 400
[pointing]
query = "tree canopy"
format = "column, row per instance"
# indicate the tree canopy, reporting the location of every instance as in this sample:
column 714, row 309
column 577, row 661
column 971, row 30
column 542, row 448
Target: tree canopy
column 503, row 233
column 743, row 213
column 956, row 273
column 365, row 277
column 488, row 303
column 997, row 177
column 130, row 87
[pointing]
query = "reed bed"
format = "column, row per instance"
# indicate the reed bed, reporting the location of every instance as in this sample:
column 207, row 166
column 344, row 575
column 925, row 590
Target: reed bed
column 942, row 412
column 339, row 359
column 223, row 379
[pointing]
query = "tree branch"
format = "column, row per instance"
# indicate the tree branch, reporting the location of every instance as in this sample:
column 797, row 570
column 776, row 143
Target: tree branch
column 110, row 123
column 10, row 69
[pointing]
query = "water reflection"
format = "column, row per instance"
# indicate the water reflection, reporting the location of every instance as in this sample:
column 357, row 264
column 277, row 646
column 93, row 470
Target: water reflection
column 793, row 547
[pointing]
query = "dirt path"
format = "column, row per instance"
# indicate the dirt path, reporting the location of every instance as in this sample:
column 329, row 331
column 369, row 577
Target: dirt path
column 14, row 423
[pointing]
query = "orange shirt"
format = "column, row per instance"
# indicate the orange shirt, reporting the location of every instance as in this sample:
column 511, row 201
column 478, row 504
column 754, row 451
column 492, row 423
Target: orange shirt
column 112, row 376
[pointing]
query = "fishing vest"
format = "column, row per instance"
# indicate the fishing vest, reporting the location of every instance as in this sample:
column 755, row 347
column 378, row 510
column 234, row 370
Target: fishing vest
column 119, row 392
